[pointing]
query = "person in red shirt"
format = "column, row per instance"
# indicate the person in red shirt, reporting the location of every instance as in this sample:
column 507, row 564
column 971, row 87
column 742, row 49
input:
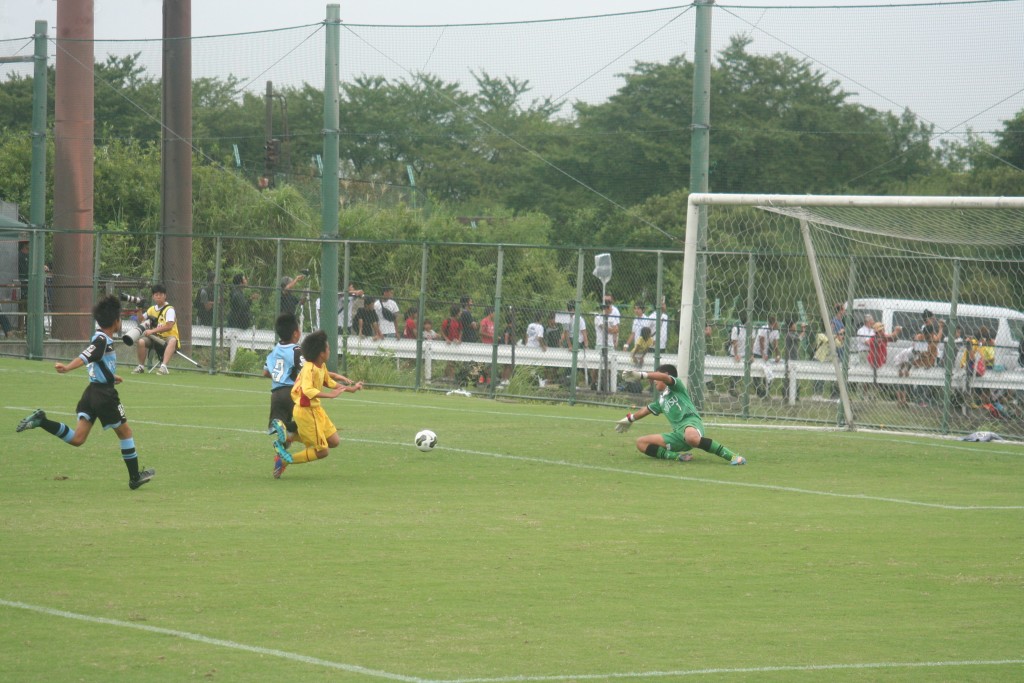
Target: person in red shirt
column 878, row 348
column 451, row 328
column 410, row 324
column 487, row 326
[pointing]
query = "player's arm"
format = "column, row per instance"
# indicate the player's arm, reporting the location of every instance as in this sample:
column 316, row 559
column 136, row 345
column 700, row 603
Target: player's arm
column 74, row 364
column 636, row 375
column 625, row 423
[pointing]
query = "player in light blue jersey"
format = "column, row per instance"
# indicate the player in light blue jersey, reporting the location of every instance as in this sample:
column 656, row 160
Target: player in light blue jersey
column 100, row 399
column 675, row 404
column 282, row 367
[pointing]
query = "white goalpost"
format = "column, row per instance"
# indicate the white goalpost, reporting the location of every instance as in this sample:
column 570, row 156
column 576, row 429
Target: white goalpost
column 870, row 268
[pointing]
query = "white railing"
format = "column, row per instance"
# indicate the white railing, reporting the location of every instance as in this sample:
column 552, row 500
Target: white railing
column 590, row 359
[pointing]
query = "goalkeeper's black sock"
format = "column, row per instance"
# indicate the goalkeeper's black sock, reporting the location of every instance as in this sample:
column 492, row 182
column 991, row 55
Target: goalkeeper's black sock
column 715, row 448
column 656, row 451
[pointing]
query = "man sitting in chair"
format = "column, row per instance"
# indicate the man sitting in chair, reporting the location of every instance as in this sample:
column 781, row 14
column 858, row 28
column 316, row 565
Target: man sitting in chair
column 160, row 331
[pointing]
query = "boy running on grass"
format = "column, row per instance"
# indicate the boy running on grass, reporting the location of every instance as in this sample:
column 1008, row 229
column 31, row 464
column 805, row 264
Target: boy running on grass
column 687, row 428
column 100, row 399
column 282, row 367
column 314, row 429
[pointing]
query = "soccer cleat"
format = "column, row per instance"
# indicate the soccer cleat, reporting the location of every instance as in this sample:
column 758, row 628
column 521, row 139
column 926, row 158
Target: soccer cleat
column 32, row 421
column 685, row 457
column 282, row 452
column 738, row 460
column 279, row 466
column 162, row 370
column 144, row 476
column 279, row 431
column 139, row 369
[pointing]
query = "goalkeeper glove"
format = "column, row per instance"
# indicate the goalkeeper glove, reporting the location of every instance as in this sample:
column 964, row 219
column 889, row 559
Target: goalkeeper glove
column 633, row 375
column 625, row 423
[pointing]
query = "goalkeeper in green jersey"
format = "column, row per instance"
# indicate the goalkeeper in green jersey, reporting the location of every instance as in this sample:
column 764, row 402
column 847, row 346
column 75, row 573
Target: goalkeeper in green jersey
column 674, row 403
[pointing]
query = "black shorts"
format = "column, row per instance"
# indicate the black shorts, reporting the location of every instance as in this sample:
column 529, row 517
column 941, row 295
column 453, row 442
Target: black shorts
column 101, row 401
column 281, row 405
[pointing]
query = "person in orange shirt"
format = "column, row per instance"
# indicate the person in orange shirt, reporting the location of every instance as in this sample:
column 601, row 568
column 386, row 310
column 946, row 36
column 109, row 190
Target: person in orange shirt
column 315, row 429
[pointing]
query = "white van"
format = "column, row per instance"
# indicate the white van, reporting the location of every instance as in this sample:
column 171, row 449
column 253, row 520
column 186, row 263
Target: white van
column 1005, row 325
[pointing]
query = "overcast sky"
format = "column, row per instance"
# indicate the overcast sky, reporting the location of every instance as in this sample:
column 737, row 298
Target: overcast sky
column 934, row 61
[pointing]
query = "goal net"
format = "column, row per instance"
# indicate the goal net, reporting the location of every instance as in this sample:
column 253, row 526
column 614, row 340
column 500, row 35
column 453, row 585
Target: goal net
column 884, row 312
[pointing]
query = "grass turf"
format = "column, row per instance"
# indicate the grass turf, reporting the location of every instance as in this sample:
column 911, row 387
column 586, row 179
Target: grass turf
column 534, row 543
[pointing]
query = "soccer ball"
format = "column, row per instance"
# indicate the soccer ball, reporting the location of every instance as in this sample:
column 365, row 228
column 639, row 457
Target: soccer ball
column 425, row 440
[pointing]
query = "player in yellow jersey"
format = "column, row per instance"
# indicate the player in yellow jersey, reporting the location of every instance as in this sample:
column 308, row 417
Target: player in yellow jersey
column 315, row 381
column 162, row 332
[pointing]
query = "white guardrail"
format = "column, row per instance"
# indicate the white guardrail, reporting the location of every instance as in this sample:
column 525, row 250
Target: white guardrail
column 590, row 359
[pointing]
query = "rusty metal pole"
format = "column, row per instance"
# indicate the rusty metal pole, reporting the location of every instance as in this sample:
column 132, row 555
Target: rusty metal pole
column 73, row 171
column 175, row 271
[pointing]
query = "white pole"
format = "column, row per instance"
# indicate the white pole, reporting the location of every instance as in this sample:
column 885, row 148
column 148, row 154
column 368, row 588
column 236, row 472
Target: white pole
column 826, row 320
column 689, row 277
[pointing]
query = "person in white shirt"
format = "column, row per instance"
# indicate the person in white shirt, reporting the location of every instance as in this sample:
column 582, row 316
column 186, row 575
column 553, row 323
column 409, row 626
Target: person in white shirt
column 535, row 334
column 387, row 314
column 640, row 321
column 766, row 349
column 864, row 334
column 661, row 334
column 601, row 338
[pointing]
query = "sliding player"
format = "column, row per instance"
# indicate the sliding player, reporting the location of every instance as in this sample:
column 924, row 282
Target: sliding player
column 675, row 404
column 314, row 427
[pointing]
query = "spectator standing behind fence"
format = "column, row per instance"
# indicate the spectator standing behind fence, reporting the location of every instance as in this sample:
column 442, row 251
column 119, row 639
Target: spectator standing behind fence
column 240, row 303
column 470, row 326
column 204, row 301
column 451, row 330
column 640, row 322
column 864, row 334
column 387, row 314
column 766, row 350
column 409, row 332
column 878, row 348
column 289, row 301
column 487, row 326
column 364, row 322
column 662, row 321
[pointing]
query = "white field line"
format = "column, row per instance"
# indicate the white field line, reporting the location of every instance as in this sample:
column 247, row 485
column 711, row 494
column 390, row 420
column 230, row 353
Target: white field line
column 385, row 675
column 602, row 468
column 218, row 642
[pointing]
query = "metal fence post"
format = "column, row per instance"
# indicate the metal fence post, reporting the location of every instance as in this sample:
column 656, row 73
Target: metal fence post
column 498, row 330
column 575, row 327
column 424, row 262
column 218, row 307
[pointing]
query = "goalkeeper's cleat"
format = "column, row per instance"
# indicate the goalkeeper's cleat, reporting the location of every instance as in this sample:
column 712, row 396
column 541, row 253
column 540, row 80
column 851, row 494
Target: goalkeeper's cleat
column 685, row 457
column 279, row 431
column 139, row 369
column 162, row 370
column 144, row 476
column 279, row 466
column 738, row 460
column 32, row 421
column 282, row 452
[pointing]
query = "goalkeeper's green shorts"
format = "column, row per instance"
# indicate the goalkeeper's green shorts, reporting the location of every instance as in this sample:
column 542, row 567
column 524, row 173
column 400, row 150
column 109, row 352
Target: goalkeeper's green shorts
column 675, row 441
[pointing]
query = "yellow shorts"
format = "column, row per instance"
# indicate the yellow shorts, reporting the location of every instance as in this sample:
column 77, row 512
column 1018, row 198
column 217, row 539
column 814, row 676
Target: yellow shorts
column 314, row 427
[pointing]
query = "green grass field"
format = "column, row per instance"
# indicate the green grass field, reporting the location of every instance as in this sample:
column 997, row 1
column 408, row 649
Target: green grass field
column 534, row 544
